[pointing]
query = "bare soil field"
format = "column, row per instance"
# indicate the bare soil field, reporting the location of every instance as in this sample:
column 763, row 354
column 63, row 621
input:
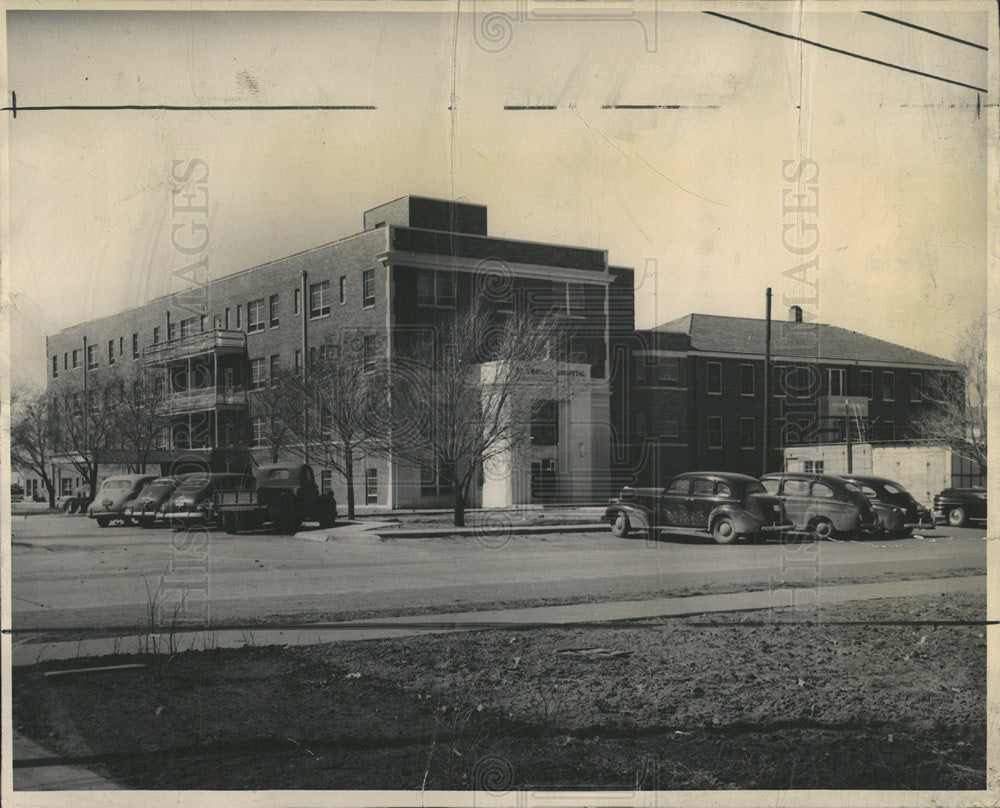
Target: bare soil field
column 885, row 694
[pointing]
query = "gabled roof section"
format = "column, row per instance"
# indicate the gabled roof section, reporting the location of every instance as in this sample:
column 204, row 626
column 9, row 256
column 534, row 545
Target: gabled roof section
column 710, row 333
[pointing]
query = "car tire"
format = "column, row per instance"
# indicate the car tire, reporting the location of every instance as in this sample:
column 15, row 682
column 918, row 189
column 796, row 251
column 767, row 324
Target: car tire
column 724, row 531
column 103, row 521
column 145, row 522
column 957, row 517
column 230, row 523
column 621, row 525
column 822, row 528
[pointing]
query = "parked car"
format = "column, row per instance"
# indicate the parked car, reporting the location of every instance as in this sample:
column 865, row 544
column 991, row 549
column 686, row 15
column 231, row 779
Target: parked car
column 114, row 495
column 285, row 496
column 16, row 493
column 957, row 506
column 895, row 508
column 729, row 506
column 145, row 509
column 194, row 498
column 823, row 504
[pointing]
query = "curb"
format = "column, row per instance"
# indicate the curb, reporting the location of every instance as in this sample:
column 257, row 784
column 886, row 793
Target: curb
column 506, row 530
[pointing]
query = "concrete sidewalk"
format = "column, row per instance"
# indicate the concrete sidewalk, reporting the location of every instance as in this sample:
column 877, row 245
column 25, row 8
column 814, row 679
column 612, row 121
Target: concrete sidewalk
column 809, row 601
column 37, row 769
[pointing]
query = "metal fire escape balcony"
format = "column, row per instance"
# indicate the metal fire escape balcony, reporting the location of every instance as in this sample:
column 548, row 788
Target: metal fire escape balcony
column 205, row 398
column 217, row 341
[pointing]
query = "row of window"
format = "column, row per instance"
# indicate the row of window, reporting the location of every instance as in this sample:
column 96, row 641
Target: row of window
column 260, row 314
column 797, row 380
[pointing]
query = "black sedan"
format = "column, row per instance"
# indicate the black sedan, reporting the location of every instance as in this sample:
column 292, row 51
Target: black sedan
column 896, row 509
column 957, row 506
column 729, row 506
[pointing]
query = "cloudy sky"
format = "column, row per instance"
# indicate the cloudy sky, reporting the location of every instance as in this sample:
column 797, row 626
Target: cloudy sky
column 691, row 196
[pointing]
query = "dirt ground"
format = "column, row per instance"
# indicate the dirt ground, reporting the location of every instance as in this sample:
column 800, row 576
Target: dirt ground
column 886, row 694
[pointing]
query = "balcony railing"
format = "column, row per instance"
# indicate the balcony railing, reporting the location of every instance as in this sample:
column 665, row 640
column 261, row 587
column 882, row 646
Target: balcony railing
column 206, row 398
column 208, row 342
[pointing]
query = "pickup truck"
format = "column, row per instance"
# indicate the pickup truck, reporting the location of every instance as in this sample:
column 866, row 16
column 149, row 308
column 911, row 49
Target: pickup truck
column 286, row 495
column 957, row 506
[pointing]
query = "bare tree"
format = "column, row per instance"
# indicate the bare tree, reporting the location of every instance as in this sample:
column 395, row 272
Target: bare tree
column 958, row 415
column 459, row 397
column 280, row 408
column 138, row 416
column 84, row 426
column 31, row 436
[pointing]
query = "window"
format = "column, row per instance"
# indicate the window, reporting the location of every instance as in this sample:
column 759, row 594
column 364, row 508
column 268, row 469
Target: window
column 297, row 302
column 866, row 384
column 369, row 354
column 669, row 426
column 679, row 486
column 325, row 421
column 916, row 388
column 822, row 490
column 545, row 424
column 76, row 357
column 187, row 326
column 255, row 316
column 325, row 481
column 91, row 357
column 227, row 318
column 723, row 490
column 703, row 488
column 55, row 366
column 201, row 323
column 746, row 380
column 135, row 346
column 171, row 331
column 257, row 374
column 435, row 288
column 111, row 351
column 714, row 378
column 239, row 315
column 813, row 466
column 435, row 478
column 748, row 433
column 319, row 299
column 778, row 381
column 371, row 486
column 576, row 299
column 668, row 370
column 835, row 381
column 275, row 368
column 368, row 287
column 66, row 361
column 343, row 290
column 121, row 346
column 795, row 488
column 888, row 386
column 256, row 431
column 272, row 307
column 297, row 366
column 714, row 432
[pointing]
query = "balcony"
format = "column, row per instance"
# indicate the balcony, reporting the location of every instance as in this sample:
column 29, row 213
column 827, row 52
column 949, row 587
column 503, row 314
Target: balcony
column 843, row 406
column 205, row 398
column 200, row 344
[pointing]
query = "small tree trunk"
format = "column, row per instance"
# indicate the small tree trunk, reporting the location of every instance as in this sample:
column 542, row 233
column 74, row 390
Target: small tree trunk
column 51, row 488
column 459, row 506
column 349, row 478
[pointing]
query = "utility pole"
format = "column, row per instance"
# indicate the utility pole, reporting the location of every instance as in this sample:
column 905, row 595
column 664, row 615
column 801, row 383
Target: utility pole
column 767, row 384
column 847, row 437
column 303, row 309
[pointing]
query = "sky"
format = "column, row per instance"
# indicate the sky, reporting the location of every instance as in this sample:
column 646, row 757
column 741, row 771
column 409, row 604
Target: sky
column 891, row 165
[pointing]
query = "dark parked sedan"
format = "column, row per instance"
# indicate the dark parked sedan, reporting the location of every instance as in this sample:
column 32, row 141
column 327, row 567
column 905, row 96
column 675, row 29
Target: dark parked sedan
column 144, row 508
column 823, row 504
column 729, row 506
column 957, row 506
column 896, row 509
column 193, row 500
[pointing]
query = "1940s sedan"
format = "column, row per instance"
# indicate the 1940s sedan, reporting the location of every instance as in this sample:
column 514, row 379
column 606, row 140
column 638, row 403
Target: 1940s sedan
column 729, row 506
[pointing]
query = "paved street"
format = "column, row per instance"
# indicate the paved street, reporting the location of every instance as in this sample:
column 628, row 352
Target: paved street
column 68, row 572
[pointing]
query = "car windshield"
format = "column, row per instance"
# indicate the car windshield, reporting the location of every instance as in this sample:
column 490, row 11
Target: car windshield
column 116, row 485
column 159, row 486
column 756, row 488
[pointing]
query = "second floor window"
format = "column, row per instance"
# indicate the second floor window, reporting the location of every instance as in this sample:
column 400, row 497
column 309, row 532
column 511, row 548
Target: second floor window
column 135, row 346
column 746, row 380
column 76, row 357
column 187, row 326
column 296, row 302
column 55, row 366
column 272, row 305
column 343, row 290
column 916, row 388
column 369, row 354
column 275, row 368
column 171, row 331
column 435, row 288
column 319, row 299
column 714, row 432
column 156, row 334
column 888, row 386
column 111, row 351
column 713, row 380
column 866, row 384
column 257, row 380
column 91, row 357
column 368, row 287
column 255, row 316
column 257, row 431
column 835, row 381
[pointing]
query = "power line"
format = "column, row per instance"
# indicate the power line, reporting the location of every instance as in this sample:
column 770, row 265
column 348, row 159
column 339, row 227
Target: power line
column 845, row 53
column 926, row 30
